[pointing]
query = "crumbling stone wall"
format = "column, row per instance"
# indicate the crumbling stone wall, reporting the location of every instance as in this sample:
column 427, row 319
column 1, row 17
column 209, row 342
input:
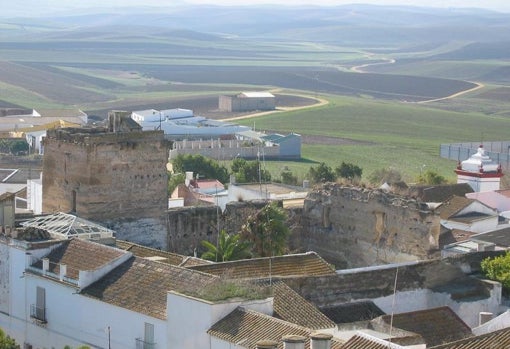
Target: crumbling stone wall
column 188, row 226
column 352, row 227
column 105, row 176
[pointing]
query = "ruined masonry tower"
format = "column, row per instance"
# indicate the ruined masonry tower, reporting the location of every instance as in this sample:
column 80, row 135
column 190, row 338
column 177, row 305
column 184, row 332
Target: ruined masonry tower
column 110, row 175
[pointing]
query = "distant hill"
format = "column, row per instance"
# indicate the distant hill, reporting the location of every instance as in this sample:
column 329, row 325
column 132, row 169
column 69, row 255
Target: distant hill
column 350, row 24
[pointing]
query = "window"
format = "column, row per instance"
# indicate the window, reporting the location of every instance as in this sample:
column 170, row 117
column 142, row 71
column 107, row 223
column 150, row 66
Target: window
column 38, row 310
column 148, row 338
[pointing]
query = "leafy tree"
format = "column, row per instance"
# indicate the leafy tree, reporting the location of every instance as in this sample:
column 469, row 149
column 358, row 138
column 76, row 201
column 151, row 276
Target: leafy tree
column 200, row 165
column 431, row 177
column 267, row 231
column 18, row 147
column 249, row 171
column 288, row 178
column 498, row 268
column 348, row 171
column 7, row 342
column 321, row 174
column 389, row 175
column 174, row 180
column 230, row 248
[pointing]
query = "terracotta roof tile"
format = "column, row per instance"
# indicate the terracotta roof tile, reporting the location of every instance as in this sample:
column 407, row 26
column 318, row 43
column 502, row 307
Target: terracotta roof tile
column 141, row 285
column 290, row 306
column 494, row 340
column 309, row 264
column 80, row 255
column 360, row 342
column 246, row 328
column 453, row 206
column 439, row 193
column 158, row 255
column 436, row 326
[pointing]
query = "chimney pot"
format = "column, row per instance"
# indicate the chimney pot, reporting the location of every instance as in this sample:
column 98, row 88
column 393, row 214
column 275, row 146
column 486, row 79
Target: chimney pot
column 293, row 342
column 45, row 265
column 266, row 344
column 320, row 341
column 63, row 271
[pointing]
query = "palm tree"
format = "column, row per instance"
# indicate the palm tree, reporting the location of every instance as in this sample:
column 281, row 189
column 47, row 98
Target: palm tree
column 267, row 231
column 230, row 248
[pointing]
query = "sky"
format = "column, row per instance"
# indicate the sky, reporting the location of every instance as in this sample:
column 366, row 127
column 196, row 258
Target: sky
column 37, row 7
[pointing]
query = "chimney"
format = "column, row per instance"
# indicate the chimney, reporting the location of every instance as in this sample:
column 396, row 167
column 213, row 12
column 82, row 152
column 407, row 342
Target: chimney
column 63, row 271
column 45, row 265
column 484, row 317
column 266, row 344
column 320, row 341
column 293, row 342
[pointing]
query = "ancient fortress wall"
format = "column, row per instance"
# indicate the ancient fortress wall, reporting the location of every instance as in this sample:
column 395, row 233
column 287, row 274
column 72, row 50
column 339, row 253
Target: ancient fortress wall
column 105, row 176
column 352, row 227
column 188, row 226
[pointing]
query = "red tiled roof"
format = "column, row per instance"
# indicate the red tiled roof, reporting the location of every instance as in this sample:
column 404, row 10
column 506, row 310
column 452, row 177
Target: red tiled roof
column 141, row 285
column 360, row 342
column 306, row 264
column 158, row 255
column 453, row 206
column 290, row 306
column 494, row 340
column 249, row 327
column 436, row 326
column 80, row 255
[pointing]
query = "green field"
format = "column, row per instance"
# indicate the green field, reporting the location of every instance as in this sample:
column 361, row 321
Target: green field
column 401, row 136
column 372, row 76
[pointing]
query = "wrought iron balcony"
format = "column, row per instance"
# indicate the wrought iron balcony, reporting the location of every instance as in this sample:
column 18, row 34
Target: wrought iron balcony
column 38, row 313
column 141, row 344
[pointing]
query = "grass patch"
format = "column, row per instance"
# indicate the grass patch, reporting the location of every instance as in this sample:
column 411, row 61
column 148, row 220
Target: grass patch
column 224, row 289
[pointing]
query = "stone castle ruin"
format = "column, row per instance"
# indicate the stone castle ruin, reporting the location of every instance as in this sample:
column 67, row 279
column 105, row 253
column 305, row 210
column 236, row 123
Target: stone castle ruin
column 352, row 227
column 115, row 175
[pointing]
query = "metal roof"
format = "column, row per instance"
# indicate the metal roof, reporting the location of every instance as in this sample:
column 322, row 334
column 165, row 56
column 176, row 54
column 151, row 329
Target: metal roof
column 64, row 225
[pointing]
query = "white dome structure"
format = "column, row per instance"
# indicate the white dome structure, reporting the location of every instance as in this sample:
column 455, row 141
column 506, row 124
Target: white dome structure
column 480, row 172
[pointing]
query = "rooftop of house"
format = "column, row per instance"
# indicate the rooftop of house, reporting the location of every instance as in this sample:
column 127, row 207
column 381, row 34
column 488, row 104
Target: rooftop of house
column 19, row 175
column 158, row 255
column 453, row 236
column 470, row 217
column 453, row 206
column 439, row 193
column 247, row 327
column 273, row 188
column 79, row 255
column 436, row 326
column 352, row 312
column 290, row 306
column 309, row 263
column 497, row 339
column 494, row 199
column 499, row 237
column 141, row 285
column 368, row 283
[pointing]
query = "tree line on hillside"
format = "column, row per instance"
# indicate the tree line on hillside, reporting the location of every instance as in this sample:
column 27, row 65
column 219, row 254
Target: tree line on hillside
column 245, row 171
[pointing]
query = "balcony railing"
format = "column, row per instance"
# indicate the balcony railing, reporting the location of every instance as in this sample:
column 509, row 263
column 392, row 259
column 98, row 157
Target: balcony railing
column 141, row 344
column 38, row 313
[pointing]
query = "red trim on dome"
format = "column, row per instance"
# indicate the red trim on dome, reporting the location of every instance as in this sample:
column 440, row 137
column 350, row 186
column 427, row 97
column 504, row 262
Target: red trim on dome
column 479, row 174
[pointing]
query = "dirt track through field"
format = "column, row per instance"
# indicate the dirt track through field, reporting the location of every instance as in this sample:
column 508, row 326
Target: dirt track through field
column 477, row 87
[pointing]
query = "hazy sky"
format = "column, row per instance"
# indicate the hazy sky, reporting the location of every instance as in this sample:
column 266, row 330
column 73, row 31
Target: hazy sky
column 36, row 7
column 498, row 5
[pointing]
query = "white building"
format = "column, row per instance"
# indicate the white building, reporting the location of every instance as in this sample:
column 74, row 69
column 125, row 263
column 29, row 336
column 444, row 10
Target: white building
column 480, row 172
column 183, row 124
